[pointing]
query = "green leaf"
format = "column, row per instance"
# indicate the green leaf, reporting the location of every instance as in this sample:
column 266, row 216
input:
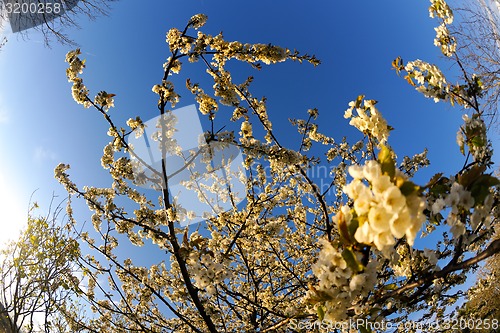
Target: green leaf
column 408, row 188
column 353, row 226
column 386, row 161
column 321, row 313
column 468, row 178
column 477, row 141
column 439, row 189
column 434, row 180
column 390, row 286
column 481, row 187
column 352, row 262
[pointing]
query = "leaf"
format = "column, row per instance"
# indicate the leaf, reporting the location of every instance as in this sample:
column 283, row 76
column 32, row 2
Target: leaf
column 321, row 313
column 196, row 242
column 434, row 180
column 409, row 188
column 436, row 220
column 470, row 176
column 353, row 226
column 352, row 262
column 343, row 229
column 478, row 141
column 358, row 101
column 481, row 187
column 397, row 64
column 409, row 80
column 439, row 189
column 390, row 286
column 386, row 161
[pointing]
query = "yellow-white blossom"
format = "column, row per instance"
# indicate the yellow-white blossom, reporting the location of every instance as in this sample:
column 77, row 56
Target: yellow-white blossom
column 368, row 120
column 383, row 211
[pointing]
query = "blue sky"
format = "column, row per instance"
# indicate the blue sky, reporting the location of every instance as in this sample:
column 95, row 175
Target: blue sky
column 40, row 125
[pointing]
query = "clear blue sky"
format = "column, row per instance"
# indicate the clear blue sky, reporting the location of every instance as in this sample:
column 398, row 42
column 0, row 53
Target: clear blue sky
column 40, row 125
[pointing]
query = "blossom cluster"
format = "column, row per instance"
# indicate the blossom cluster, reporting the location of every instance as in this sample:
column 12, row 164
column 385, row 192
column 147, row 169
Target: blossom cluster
column 473, row 134
column 447, row 43
column 368, row 120
column 381, row 209
column 482, row 213
column 431, row 81
column 310, row 131
column 177, row 41
column 459, row 200
column 339, row 288
column 444, row 40
column 462, row 208
column 251, row 53
column 207, row 274
column 62, row 177
column 225, row 89
column 137, row 126
column 410, row 165
column 78, row 90
column 166, row 92
column 105, row 100
column 198, row 20
column 174, row 65
column 440, row 9
column 410, row 260
column 246, row 129
column 207, row 105
column 205, row 268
